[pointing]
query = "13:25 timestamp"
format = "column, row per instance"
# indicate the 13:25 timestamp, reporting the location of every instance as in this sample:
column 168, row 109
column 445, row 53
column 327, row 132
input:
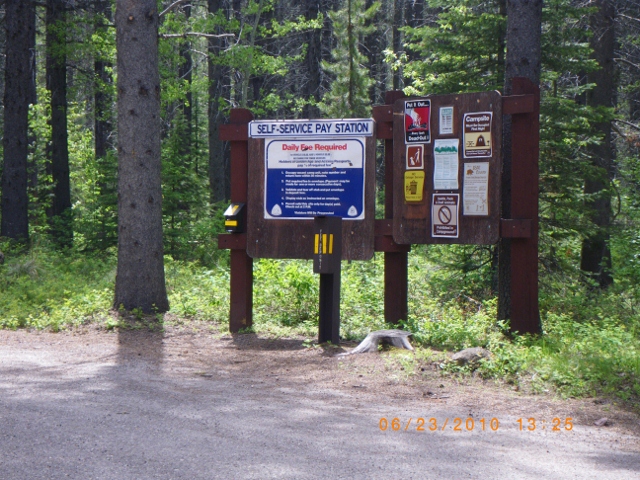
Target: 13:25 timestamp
column 556, row 424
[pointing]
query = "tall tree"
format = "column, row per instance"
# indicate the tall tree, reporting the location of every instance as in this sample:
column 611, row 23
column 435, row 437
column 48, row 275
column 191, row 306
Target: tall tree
column 319, row 42
column 20, row 23
column 349, row 93
column 218, row 92
column 103, row 128
column 60, row 212
column 596, row 256
column 523, row 59
column 185, row 73
column 140, row 281
column 398, row 40
column 103, row 80
column 460, row 48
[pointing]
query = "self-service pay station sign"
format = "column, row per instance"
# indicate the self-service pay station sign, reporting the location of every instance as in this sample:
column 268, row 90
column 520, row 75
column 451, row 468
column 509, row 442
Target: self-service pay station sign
column 301, row 169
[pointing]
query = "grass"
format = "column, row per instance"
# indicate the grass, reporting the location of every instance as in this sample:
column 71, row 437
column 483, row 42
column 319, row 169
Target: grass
column 590, row 345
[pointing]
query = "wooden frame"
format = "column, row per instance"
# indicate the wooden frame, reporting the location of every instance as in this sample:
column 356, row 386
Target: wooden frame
column 386, row 235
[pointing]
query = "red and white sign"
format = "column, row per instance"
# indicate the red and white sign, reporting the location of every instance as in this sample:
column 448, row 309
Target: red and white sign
column 417, row 120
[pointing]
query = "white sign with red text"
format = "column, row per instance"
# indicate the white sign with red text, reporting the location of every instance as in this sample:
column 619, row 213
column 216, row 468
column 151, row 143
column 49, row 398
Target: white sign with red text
column 310, row 178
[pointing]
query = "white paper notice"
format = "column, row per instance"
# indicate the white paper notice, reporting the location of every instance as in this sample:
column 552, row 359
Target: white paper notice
column 446, row 120
column 445, row 164
column 475, row 193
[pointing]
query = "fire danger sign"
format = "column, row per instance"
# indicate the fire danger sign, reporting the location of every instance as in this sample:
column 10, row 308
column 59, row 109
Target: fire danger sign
column 444, row 215
column 417, row 120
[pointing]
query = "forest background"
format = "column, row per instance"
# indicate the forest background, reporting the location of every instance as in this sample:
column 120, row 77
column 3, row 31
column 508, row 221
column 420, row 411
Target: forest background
column 332, row 58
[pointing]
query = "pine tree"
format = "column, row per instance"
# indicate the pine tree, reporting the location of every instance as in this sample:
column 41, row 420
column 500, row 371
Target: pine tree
column 20, row 23
column 140, row 275
column 349, row 93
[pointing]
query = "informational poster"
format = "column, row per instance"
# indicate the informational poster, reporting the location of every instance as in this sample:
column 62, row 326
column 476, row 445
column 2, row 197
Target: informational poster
column 444, row 215
column 475, row 192
column 413, row 185
column 417, row 121
column 446, row 121
column 445, row 164
column 477, row 135
column 415, row 157
column 310, row 178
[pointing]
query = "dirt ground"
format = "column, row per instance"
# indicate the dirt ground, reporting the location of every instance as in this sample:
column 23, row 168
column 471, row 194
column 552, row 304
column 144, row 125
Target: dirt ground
column 192, row 400
column 203, row 351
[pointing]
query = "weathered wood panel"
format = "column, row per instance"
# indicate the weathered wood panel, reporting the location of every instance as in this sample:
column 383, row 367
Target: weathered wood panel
column 412, row 223
column 268, row 238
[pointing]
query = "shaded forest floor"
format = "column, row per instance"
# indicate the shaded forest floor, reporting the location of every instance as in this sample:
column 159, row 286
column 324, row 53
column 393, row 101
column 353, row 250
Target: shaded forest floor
column 590, row 348
column 200, row 350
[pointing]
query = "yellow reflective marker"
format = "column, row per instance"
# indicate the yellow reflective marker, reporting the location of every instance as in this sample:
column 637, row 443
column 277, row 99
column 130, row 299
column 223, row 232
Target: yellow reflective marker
column 316, row 241
column 331, row 244
column 324, row 243
column 230, row 223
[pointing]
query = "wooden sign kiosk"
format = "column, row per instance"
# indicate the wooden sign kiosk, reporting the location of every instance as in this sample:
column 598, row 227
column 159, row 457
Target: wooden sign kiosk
column 443, row 182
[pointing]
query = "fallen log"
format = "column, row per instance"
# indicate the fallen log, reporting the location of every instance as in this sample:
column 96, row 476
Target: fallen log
column 395, row 338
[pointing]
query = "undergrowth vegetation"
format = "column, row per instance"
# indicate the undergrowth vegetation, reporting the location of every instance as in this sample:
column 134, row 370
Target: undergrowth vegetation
column 590, row 344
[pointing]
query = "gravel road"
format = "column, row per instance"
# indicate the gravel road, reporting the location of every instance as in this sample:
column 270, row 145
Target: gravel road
column 203, row 406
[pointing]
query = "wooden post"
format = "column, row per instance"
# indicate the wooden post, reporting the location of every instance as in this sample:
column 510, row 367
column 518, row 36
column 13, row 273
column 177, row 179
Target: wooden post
column 525, row 315
column 241, row 284
column 327, row 254
column 395, row 263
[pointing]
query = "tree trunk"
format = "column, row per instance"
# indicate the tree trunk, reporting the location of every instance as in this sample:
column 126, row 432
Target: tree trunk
column 313, row 62
column 398, row 23
column 140, row 274
column 20, row 23
column 374, row 45
column 103, row 125
column 502, row 248
column 595, row 255
column 185, row 73
column 218, row 92
column 524, row 19
column 102, row 98
column 60, row 211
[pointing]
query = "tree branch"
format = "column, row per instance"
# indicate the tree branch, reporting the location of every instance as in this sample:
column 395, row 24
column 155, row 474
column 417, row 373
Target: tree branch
column 632, row 125
column 620, row 132
column 623, row 60
column 195, row 34
column 628, row 17
column 171, row 7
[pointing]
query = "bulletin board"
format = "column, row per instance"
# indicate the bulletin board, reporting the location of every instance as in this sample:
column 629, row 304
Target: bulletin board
column 447, row 169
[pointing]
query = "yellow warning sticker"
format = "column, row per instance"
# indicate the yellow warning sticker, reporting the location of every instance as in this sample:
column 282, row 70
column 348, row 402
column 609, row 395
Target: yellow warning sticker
column 413, row 185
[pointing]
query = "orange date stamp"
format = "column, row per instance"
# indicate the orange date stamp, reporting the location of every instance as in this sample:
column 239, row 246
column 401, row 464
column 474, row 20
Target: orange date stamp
column 470, row 424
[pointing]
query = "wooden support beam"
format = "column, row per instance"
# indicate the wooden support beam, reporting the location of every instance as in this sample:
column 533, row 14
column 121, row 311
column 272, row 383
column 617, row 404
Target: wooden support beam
column 395, row 263
column 384, row 238
column 233, row 132
column 525, row 140
column 383, row 226
column 232, row 241
column 516, row 104
column 513, row 228
column 383, row 115
column 241, row 301
column 386, row 244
